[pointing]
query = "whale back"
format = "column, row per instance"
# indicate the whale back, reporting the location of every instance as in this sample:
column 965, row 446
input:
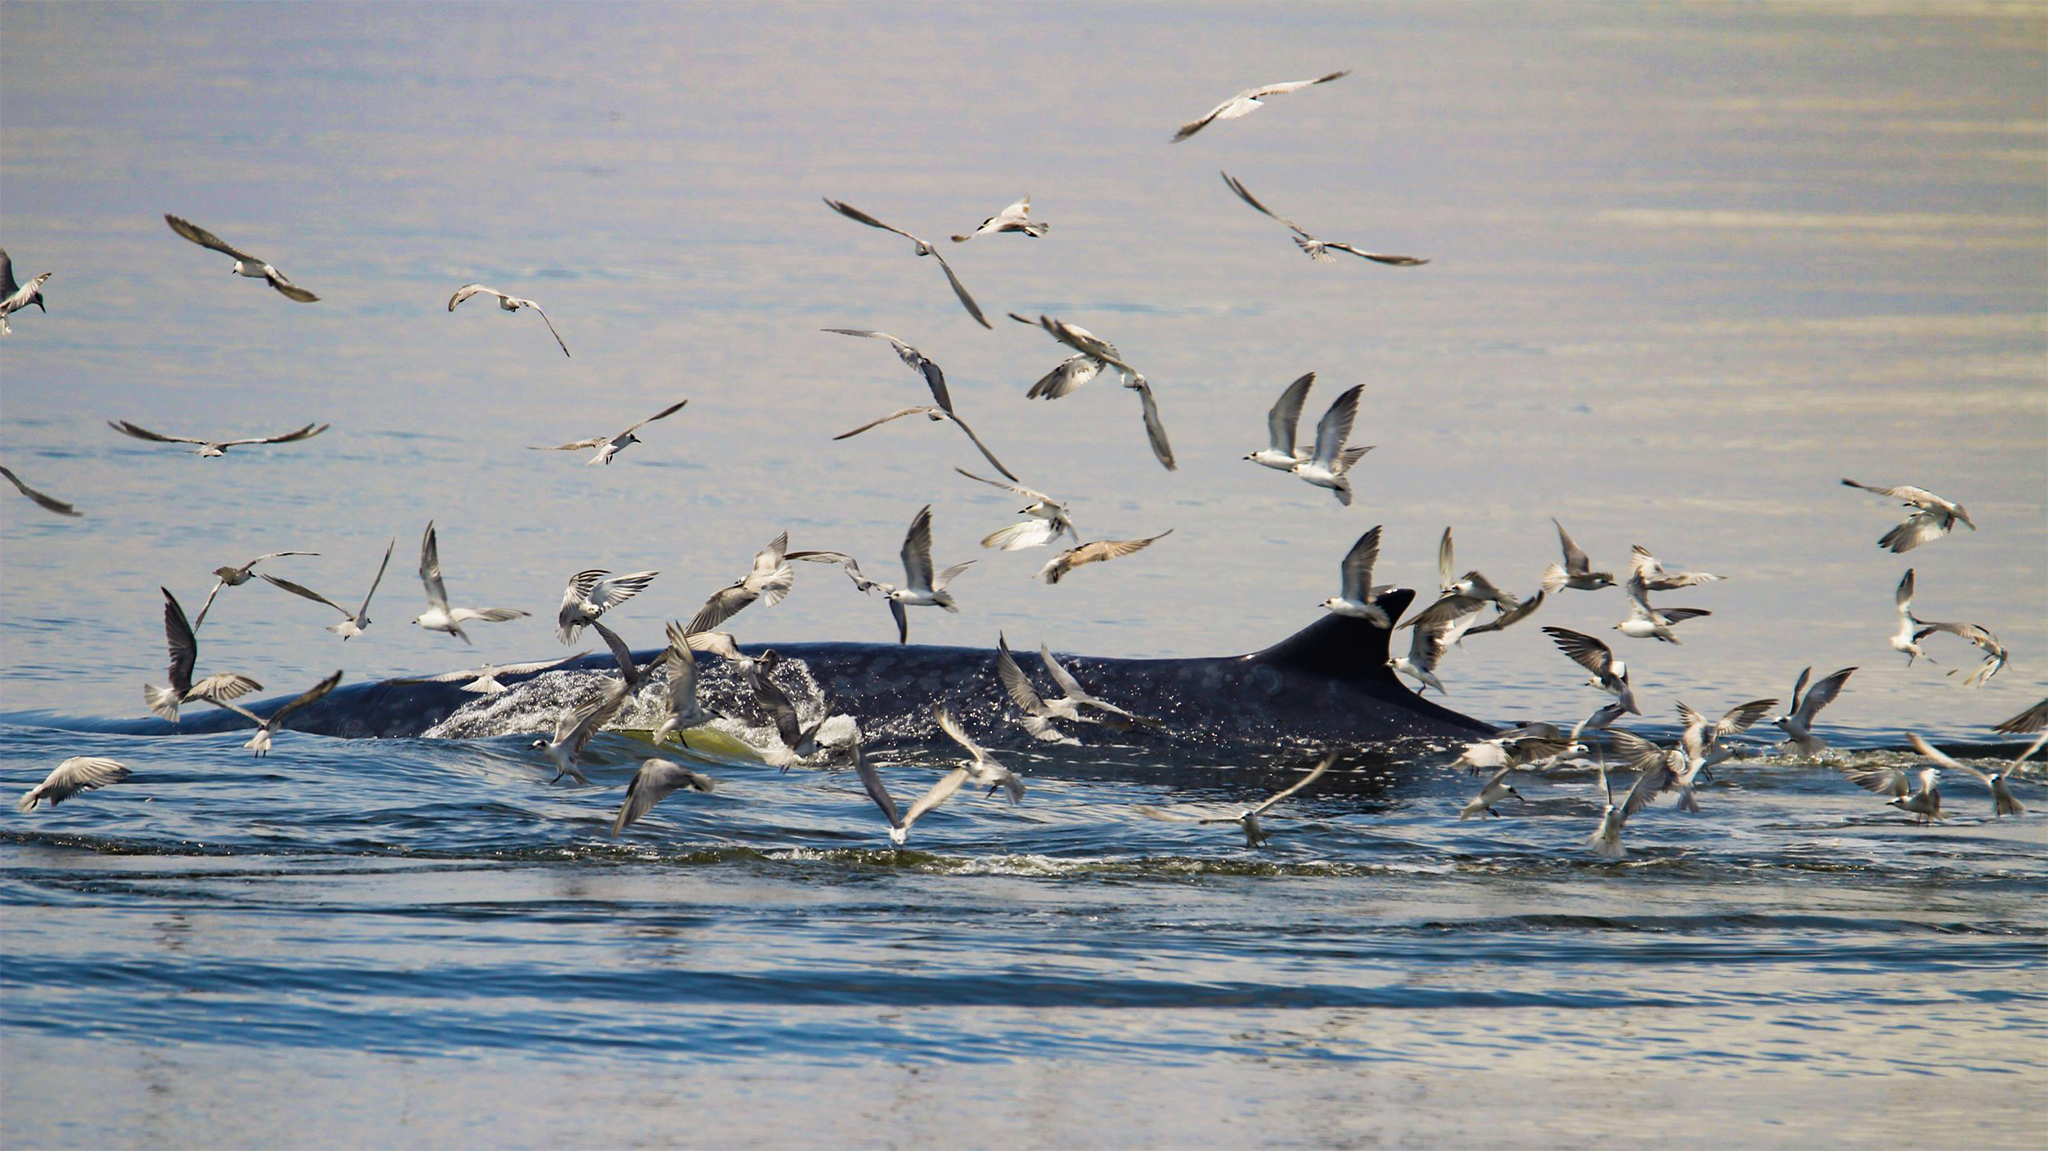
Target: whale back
column 1340, row 646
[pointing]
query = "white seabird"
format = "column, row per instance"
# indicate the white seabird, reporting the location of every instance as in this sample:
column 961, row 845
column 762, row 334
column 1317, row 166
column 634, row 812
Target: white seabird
column 508, row 303
column 439, row 616
column 353, row 622
column 609, row 446
column 1015, row 218
column 1314, row 248
column 245, row 264
column 79, row 773
column 215, row 447
column 924, row 248
column 1249, row 101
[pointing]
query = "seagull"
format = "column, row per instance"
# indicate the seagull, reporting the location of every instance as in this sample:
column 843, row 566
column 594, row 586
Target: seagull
column 796, row 741
column 1923, row 805
column 1049, row 518
column 1254, row 832
column 609, row 446
column 1798, row 723
column 1073, row 371
column 1435, row 629
column 1995, row 655
column 861, row 582
column 1656, row 769
column 1075, row 698
column 684, row 712
column 508, row 303
column 1095, row 552
column 770, row 580
column 1015, row 218
column 920, row 587
column 215, row 447
column 656, row 780
column 483, row 680
column 1360, row 599
column 1701, row 738
column 982, row 770
column 353, row 622
column 918, row 361
column 1902, row 642
column 1313, row 248
column 79, row 773
column 266, row 728
column 1577, row 572
column 923, row 249
column 46, row 502
column 1495, row 789
column 1248, row 101
column 592, row 593
column 1646, row 622
column 1101, row 351
column 1472, row 585
column 184, row 648
column 1643, row 564
column 235, row 577
column 1933, row 518
column 1282, row 424
column 1038, row 716
column 14, row 297
column 1609, row 674
column 935, row 415
column 1328, row 466
column 1510, row 750
column 899, row 825
column 2002, row 801
column 439, row 616
column 575, row 726
column 1510, row 618
column 245, row 264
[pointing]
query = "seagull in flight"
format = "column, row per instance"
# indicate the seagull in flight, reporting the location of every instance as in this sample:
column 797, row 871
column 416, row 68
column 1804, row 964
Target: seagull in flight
column 266, row 728
column 483, row 680
column 1015, row 218
column 1073, row 371
column 924, row 248
column 1644, row 566
column 1577, row 571
column 2002, row 801
column 1609, row 674
column 921, row 588
column 656, row 780
column 900, row 823
column 1995, row 654
column 593, row 592
column 1657, row 772
column 1038, row 715
column 684, row 712
column 79, row 773
column 439, row 616
column 184, row 649
column 935, row 415
column 1329, row 465
column 14, row 297
column 1320, row 249
column 353, row 622
column 235, row 577
column 1097, row 552
column 1249, row 101
column 1932, row 518
column 575, row 727
column 794, row 741
column 245, row 264
column 1925, row 804
column 215, row 447
column 1903, row 641
column 769, row 581
column 44, row 501
column 1435, row 629
column 1797, row 724
column 508, row 303
column 1282, row 422
column 1646, row 622
column 918, row 362
column 1254, row 831
column 1049, row 519
column 1360, row 599
column 609, row 446
column 982, row 770
column 1493, row 791
column 1701, row 737
column 1093, row 348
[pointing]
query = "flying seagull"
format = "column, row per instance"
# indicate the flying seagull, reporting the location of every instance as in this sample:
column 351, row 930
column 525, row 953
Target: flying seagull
column 1797, row 723
column 1094, row 347
column 1903, row 640
column 14, row 297
column 1015, row 218
column 1643, row 565
column 266, row 728
column 235, row 577
column 900, row 823
column 923, row 249
column 1249, row 101
column 1932, row 517
column 684, row 712
column 918, row 362
column 656, row 780
column 1609, row 674
column 79, row 773
column 1646, row 622
column 2002, row 801
column 508, row 303
column 483, row 680
column 609, row 446
column 921, row 587
column 1360, row 599
column 184, row 649
column 935, row 415
column 439, row 616
column 1493, row 791
column 1329, row 466
column 982, row 770
column 794, row 741
column 575, row 727
column 44, row 501
column 215, row 447
column 353, row 622
column 770, row 580
column 1254, row 832
column 1923, row 805
column 1995, row 654
column 245, row 264
column 1320, row 249
column 1096, row 552
column 1049, row 519
column 1073, row 371
column 1038, row 715
column 1577, row 571
column 593, row 592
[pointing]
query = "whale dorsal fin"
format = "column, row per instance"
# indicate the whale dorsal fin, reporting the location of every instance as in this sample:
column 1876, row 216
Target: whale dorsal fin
column 1340, row 647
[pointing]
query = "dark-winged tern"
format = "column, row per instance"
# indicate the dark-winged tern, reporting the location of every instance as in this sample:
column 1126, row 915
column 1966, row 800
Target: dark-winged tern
column 266, row 728
column 935, row 414
column 79, row 773
column 1932, row 517
column 1038, row 716
column 14, row 297
column 1577, row 570
column 353, row 622
column 1359, row 598
column 509, row 304
column 1797, row 723
column 1015, row 218
column 923, row 249
column 921, row 587
column 215, row 447
column 439, row 616
column 1314, row 248
column 917, row 361
column 593, row 592
column 1255, row 834
column 1249, row 101
column 235, row 577
column 609, row 446
column 184, row 649
column 245, row 264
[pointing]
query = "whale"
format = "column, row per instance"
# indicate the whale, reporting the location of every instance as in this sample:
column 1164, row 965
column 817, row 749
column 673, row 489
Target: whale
column 1327, row 684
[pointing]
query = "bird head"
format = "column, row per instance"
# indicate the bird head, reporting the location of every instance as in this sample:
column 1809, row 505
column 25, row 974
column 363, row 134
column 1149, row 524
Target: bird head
column 1516, row 794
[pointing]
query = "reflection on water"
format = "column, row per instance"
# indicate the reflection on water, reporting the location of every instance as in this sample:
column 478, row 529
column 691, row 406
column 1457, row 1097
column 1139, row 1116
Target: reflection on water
column 1691, row 266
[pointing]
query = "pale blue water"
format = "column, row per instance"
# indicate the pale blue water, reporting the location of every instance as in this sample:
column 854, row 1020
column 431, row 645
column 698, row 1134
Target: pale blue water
column 1691, row 267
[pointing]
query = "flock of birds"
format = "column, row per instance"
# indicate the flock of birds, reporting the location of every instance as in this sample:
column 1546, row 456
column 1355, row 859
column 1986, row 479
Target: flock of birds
column 1460, row 610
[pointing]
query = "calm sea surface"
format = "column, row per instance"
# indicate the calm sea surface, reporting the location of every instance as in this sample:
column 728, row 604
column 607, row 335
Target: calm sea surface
column 1690, row 267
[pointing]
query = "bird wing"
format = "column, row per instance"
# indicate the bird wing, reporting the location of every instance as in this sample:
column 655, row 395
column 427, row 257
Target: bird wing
column 871, row 782
column 917, row 551
column 940, row 792
column 1583, row 650
column 183, row 645
column 1014, row 682
column 1335, row 426
column 1917, row 497
column 579, row 445
column 1027, row 493
column 981, row 447
column 936, row 413
column 204, row 238
column 1656, row 779
column 47, row 503
column 1283, row 422
column 286, row 288
column 656, row 780
column 1358, row 564
column 2031, row 720
column 7, row 285
column 380, row 576
column 430, row 569
column 1063, row 380
column 953, row 730
column 853, row 213
column 960, row 290
column 1314, row 774
column 312, row 694
column 1068, row 685
column 79, row 773
column 1576, row 561
column 1248, row 198
column 933, row 377
column 682, row 673
column 1194, row 126
column 1378, row 257
column 1510, row 618
column 293, row 436
column 1102, row 550
column 663, row 414
column 303, row 592
column 606, row 594
column 628, row 667
column 552, row 332
column 1446, row 611
column 1294, row 85
column 1943, row 760
column 142, row 433
column 1155, row 429
column 1882, row 780
column 1079, row 338
column 902, row 621
column 1903, row 597
column 1823, row 694
column 1446, row 562
column 467, row 290
column 1918, row 528
column 1744, row 716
